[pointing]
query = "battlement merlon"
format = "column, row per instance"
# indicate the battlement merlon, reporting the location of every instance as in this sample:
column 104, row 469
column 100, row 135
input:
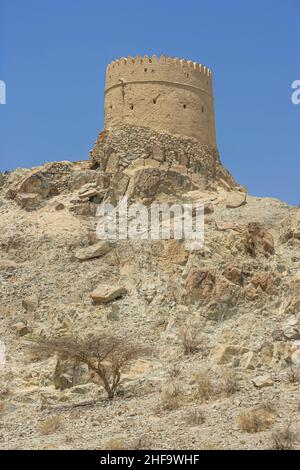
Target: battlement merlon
column 164, row 69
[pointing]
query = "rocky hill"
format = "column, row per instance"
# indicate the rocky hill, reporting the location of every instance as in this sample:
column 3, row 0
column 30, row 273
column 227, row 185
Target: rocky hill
column 221, row 324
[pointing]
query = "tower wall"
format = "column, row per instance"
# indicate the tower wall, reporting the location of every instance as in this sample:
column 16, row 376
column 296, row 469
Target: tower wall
column 164, row 94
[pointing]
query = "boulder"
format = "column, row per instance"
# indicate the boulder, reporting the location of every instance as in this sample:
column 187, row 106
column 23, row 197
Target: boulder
column 295, row 353
column 263, row 381
column 258, row 240
column 89, row 194
column 28, row 200
column 60, row 207
column 235, row 200
column 7, row 264
column 233, row 274
column 106, row 293
column 69, row 373
column 22, row 329
column 93, row 251
column 248, row 361
column 295, row 357
column 291, row 329
column 30, row 304
column 225, row 353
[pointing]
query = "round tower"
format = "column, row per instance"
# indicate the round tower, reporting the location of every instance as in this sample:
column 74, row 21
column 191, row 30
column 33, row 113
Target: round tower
column 167, row 95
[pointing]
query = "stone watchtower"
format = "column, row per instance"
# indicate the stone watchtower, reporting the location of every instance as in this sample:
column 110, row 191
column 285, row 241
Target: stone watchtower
column 167, row 95
column 159, row 128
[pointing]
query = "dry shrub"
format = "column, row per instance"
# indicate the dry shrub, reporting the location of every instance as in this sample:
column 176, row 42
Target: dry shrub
column 174, row 371
column 114, row 444
column 7, row 311
column 51, row 425
column 195, row 418
column 269, row 406
column 105, row 356
column 205, row 387
column 231, row 383
column 171, row 396
column 189, row 340
column 294, row 375
column 256, row 420
column 284, row 439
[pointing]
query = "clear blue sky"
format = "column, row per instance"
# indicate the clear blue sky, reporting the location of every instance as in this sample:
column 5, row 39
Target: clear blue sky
column 53, row 55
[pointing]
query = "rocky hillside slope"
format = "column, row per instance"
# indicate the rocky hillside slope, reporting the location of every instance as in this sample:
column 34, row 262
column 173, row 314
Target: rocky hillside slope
column 222, row 324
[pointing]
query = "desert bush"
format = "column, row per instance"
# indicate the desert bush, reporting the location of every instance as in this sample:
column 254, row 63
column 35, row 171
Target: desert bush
column 255, row 420
column 268, row 406
column 69, row 439
column 105, row 356
column 206, row 389
column 114, row 444
column 195, row 418
column 230, row 383
column 174, row 371
column 294, row 375
column 171, row 396
column 284, row 439
column 189, row 340
column 51, row 425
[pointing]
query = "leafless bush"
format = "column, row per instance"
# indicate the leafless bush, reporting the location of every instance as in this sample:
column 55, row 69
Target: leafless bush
column 195, row 418
column 284, row 439
column 106, row 356
column 189, row 340
column 51, row 425
column 255, row 420
column 115, row 444
column 231, row 383
column 174, row 371
column 269, row 407
column 294, row 375
column 171, row 396
column 205, row 387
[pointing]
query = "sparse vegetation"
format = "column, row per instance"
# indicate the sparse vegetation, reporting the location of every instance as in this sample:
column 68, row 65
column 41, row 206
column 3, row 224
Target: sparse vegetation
column 114, row 444
column 69, row 439
column 106, row 356
column 174, row 371
column 231, row 383
column 284, row 439
column 189, row 339
column 255, row 420
column 51, row 425
column 195, row 418
column 269, row 406
column 171, row 396
column 205, row 387
column 294, row 375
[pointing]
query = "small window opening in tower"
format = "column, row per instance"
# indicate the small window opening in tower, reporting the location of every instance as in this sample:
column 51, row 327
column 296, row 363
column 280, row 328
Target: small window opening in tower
column 187, row 75
column 111, row 106
column 145, row 70
column 184, row 106
column 131, row 106
column 202, row 109
column 154, row 101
